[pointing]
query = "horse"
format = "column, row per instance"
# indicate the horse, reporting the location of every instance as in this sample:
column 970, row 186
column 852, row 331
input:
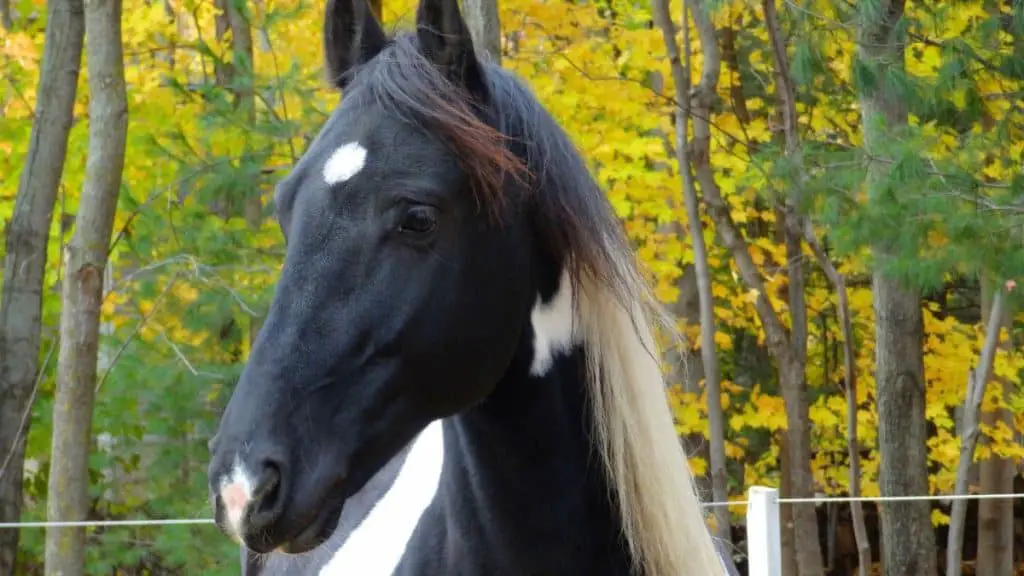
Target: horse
column 458, row 371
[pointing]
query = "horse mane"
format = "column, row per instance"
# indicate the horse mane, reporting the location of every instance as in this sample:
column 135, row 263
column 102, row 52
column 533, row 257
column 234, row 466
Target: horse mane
column 661, row 516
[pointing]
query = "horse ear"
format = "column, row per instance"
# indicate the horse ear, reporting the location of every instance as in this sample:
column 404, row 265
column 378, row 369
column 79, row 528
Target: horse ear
column 445, row 40
column 352, row 36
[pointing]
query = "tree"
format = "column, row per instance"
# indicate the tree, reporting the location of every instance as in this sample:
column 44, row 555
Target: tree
column 680, row 67
column 786, row 346
column 26, row 259
column 977, row 381
column 996, row 473
column 82, row 297
column 797, row 228
column 909, row 548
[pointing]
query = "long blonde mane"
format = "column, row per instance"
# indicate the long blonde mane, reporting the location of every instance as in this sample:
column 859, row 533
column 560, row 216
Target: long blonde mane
column 662, row 519
column 661, row 515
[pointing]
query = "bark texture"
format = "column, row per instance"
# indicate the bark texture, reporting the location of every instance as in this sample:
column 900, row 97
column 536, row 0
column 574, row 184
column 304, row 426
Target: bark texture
column 798, row 228
column 25, row 261
column 709, row 357
column 899, row 362
column 977, row 381
column 86, row 260
column 781, row 343
column 902, row 432
column 995, row 516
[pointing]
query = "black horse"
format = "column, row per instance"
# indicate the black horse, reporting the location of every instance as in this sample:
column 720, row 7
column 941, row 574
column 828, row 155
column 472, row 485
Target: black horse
column 458, row 373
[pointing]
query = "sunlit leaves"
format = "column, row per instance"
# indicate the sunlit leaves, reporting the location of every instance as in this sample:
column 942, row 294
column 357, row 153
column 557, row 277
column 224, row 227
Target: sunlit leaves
column 189, row 272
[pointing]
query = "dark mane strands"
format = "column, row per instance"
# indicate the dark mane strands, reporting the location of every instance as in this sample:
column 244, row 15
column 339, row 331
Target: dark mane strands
column 412, row 88
column 519, row 140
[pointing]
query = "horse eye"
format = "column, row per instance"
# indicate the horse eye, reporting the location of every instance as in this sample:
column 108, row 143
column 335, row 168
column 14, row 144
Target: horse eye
column 419, row 220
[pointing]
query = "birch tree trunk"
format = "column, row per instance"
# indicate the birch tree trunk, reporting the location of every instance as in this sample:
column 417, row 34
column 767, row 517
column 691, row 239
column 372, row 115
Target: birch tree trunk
column 25, row 261
column 86, row 259
column 995, row 516
column 899, row 361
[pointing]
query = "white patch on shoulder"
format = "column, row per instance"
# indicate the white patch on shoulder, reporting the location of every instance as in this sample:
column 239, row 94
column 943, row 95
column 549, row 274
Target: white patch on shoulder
column 554, row 327
column 344, row 163
column 376, row 546
column 235, row 493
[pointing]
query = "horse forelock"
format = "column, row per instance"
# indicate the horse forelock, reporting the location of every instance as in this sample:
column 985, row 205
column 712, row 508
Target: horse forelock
column 412, row 88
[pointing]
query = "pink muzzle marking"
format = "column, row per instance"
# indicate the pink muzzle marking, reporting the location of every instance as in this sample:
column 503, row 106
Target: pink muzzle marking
column 235, row 499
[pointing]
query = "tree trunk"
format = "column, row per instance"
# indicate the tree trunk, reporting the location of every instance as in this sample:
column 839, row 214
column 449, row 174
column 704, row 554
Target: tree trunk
column 787, row 539
column 899, row 363
column 236, row 77
column 995, row 516
column 25, row 262
column 860, row 531
column 805, row 519
column 797, row 228
column 6, row 19
column 709, row 356
column 995, row 475
column 242, row 68
column 977, row 381
column 778, row 337
column 902, row 433
column 485, row 27
column 86, row 259
column 687, row 366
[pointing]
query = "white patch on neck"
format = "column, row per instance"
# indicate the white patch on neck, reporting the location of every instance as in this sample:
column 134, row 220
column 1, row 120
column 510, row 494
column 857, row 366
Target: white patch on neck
column 376, row 546
column 344, row 163
column 553, row 327
column 235, row 494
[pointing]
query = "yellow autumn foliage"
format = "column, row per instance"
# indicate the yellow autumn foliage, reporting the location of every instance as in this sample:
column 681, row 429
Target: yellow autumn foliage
column 608, row 82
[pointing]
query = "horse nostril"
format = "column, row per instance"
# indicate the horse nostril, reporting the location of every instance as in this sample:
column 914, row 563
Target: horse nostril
column 267, row 497
column 268, row 482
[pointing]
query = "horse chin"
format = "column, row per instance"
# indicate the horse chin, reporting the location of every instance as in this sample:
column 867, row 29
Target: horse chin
column 316, row 533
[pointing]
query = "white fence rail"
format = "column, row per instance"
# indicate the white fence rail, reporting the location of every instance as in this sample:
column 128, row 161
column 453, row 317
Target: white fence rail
column 764, row 541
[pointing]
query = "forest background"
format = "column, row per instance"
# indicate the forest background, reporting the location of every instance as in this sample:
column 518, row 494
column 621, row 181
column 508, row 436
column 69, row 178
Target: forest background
column 857, row 160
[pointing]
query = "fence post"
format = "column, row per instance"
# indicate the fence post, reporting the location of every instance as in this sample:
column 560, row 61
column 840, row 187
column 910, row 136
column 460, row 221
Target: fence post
column 764, row 537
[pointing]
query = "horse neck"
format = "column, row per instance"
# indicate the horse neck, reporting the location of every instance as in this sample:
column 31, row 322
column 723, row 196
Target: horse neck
column 524, row 485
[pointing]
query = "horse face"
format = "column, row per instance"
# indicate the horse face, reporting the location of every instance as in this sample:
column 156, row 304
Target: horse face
column 399, row 302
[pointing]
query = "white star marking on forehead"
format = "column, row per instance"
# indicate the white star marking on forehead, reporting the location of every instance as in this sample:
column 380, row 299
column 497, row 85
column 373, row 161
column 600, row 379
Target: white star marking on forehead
column 344, row 163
